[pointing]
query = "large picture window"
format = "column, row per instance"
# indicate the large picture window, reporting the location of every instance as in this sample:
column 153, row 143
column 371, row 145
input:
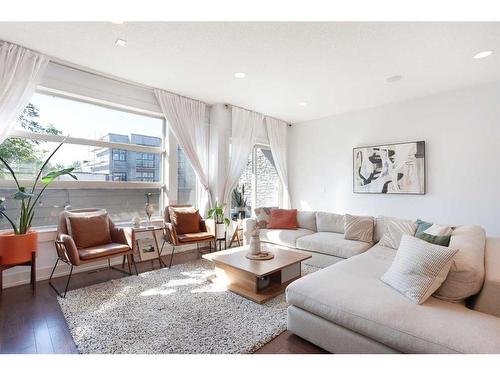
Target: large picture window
column 116, row 156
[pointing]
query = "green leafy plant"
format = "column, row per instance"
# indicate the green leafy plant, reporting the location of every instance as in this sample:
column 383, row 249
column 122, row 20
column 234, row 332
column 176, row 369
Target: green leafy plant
column 28, row 197
column 217, row 213
column 239, row 199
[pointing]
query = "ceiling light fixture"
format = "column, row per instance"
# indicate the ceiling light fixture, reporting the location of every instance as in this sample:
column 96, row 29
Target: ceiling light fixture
column 117, row 22
column 239, row 75
column 302, row 104
column 120, row 43
column 483, row 54
column 395, row 78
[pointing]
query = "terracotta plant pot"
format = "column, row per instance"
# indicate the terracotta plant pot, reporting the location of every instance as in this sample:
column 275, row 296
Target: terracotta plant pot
column 16, row 249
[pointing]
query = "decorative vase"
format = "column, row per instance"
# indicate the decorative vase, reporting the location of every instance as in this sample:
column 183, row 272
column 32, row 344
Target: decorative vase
column 149, row 209
column 136, row 220
column 17, row 248
column 220, row 231
column 255, row 245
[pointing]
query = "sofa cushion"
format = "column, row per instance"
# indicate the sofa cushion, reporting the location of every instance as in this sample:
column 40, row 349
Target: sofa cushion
column 89, row 231
column 351, row 294
column 329, row 222
column 394, row 230
column 185, row 219
column 282, row 219
column 102, row 251
column 381, row 223
column 419, row 268
column 262, row 215
column 434, row 233
column 467, row 269
column 359, row 228
column 285, row 237
column 307, row 220
column 332, row 244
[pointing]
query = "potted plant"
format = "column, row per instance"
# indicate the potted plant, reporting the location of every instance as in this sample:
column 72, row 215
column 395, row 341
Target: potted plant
column 240, row 201
column 217, row 214
column 17, row 245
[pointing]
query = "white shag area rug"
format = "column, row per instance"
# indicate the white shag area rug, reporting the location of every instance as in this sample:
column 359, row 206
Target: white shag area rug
column 170, row 311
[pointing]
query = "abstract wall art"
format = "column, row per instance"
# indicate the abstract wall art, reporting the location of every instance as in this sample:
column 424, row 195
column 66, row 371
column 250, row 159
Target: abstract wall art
column 390, row 169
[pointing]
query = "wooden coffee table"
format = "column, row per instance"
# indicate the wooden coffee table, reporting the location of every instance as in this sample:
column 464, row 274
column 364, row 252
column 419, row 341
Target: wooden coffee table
column 257, row 280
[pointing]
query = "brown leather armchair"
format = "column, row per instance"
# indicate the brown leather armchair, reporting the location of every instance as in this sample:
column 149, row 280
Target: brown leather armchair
column 171, row 236
column 69, row 253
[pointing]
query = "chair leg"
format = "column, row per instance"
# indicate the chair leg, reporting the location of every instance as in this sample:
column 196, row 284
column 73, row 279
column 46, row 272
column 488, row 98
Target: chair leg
column 171, row 257
column 128, row 264
column 135, row 266
column 67, row 282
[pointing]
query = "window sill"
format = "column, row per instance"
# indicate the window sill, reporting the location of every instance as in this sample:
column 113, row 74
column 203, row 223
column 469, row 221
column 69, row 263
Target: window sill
column 47, row 234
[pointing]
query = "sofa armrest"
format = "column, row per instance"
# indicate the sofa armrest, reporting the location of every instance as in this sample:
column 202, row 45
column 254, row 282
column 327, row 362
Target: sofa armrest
column 488, row 300
column 249, row 226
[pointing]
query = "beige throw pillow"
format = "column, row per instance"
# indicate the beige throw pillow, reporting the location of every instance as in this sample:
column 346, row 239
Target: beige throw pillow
column 394, row 231
column 419, row 268
column 359, row 228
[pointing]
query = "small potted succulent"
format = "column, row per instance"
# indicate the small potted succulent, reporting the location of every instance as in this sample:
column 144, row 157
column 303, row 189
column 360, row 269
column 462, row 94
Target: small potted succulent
column 221, row 222
column 17, row 245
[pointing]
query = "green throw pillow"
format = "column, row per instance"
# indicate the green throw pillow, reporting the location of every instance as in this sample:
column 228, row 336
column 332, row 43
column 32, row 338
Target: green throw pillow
column 437, row 240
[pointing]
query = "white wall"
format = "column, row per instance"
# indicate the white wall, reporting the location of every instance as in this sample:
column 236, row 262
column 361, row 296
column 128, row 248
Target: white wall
column 462, row 133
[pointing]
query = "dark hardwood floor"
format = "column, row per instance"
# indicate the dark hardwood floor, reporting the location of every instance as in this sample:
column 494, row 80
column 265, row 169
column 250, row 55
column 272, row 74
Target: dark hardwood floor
column 35, row 323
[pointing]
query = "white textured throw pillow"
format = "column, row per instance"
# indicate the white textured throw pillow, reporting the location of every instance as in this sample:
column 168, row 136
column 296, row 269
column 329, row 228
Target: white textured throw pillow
column 394, row 231
column 419, row 268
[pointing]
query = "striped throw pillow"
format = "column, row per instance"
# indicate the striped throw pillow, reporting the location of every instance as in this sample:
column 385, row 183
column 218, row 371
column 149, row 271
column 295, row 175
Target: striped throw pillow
column 358, row 228
column 419, row 268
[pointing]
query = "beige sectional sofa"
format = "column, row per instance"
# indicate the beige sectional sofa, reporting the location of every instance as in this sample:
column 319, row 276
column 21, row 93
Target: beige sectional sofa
column 346, row 308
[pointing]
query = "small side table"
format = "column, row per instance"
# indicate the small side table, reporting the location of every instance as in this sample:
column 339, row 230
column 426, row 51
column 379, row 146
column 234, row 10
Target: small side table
column 152, row 231
column 31, row 263
column 238, row 234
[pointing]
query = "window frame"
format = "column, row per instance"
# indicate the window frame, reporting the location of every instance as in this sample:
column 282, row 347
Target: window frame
column 96, row 143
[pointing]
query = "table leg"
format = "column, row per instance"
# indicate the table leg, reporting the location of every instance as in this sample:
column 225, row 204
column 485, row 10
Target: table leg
column 158, row 249
column 1, row 276
column 33, row 271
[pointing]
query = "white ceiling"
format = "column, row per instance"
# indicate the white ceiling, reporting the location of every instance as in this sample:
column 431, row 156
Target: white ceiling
column 333, row 66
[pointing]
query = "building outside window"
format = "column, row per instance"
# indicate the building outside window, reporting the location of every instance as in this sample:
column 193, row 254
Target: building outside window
column 119, row 176
column 119, row 155
column 186, row 180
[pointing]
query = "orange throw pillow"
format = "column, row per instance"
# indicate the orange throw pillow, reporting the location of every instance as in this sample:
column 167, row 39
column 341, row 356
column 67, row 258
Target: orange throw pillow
column 89, row 231
column 185, row 220
column 283, row 219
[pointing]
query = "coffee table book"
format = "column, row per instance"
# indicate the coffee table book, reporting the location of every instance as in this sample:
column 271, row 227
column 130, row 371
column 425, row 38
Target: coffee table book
column 257, row 280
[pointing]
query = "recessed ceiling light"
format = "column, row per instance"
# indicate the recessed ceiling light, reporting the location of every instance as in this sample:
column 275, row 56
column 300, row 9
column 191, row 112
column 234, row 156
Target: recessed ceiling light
column 395, row 78
column 120, row 43
column 239, row 75
column 117, row 22
column 302, row 104
column 483, row 54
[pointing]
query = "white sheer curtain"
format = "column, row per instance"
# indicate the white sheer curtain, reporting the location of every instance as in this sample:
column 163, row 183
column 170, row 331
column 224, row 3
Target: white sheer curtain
column 243, row 138
column 20, row 72
column 277, row 134
column 188, row 122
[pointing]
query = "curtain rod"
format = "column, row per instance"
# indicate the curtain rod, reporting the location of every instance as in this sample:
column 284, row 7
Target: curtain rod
column 250, row 110
column 83, row 69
